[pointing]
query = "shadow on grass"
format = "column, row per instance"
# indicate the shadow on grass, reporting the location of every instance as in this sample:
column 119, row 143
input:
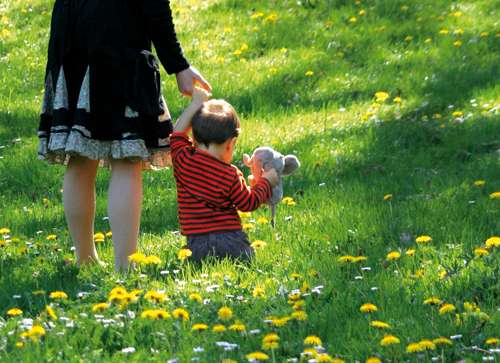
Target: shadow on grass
column 18, row 284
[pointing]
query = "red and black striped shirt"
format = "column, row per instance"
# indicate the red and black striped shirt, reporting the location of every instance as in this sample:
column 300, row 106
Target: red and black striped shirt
column 209, row 191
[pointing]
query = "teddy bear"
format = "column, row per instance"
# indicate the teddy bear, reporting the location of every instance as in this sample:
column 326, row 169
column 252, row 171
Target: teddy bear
column 267, row 158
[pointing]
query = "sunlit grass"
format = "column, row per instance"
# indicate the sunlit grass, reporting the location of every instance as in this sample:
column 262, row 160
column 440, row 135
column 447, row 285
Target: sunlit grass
column 374, row 176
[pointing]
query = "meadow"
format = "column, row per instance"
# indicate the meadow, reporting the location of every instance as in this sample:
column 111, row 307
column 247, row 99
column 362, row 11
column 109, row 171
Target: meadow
column 386, row 247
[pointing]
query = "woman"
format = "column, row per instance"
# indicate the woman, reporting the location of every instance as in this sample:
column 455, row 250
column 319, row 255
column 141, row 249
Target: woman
column 103, row 105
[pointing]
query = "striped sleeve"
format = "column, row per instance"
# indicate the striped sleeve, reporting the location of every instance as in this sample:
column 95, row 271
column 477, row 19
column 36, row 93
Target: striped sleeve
column 248, row 199
column 178, row 142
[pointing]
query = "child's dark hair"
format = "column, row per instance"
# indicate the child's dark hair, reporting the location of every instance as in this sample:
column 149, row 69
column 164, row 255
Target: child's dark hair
column 215, row 122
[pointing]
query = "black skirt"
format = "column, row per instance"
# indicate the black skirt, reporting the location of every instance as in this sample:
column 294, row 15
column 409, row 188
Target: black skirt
column 103, row 95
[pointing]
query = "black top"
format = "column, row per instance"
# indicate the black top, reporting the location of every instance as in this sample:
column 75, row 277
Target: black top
column 84, row 26
column 99, row 64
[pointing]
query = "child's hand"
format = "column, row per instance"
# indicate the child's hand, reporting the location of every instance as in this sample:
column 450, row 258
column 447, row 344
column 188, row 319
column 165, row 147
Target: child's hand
column 272, row 176
column 200, row 96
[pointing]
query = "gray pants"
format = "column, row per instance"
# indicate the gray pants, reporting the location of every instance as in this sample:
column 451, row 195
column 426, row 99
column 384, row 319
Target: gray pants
column 233, row 245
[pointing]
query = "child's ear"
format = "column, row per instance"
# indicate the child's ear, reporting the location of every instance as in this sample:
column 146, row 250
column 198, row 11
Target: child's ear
column 291, row 164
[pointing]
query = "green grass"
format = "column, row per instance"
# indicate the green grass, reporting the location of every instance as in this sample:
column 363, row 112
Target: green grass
column 352, row 153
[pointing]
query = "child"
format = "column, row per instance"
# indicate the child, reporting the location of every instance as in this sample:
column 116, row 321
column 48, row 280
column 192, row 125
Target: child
column 209, row 189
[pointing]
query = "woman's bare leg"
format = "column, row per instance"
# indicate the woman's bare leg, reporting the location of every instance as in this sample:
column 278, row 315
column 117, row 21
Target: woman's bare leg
column 124, row 209
column 79, row 206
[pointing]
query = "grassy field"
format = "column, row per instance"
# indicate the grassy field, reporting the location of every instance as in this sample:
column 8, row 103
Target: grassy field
column 393, row 109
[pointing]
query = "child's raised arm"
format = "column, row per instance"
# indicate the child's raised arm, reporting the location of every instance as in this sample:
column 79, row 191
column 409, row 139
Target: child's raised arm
column 183, row 124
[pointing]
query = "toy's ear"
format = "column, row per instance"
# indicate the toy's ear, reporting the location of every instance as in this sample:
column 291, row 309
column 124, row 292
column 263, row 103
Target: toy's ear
column 291, row 164
column 247, row 160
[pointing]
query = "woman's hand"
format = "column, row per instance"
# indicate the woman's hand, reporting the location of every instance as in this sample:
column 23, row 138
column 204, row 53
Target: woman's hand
column 187, row 79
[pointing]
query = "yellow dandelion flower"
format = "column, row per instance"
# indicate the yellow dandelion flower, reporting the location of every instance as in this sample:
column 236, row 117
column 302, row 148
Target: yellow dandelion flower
column 270, row 341
column 244, row 214
column 257, row 15
column 368, row 308
column 4, row 230
column 357, row 259
column 479, row 182
column 196, row 297
column 152, row 260
column 446, row 308
column 14, row 312
column 299, row 305
column 394, row 255
column 225, row 313
column 180, row 313
column 495, row 195
column 493, row 242
column 492, row 341
column 413, row 348
column 155, row 296
column 109, row 234
column 457, row 43
column 58, row 295
column 247, row 226
column 432, row 301
column 389, row 340
column 199, row 327
column 271, row 18
column 388, row 197
column 258, row 244
column 184, row 253
column 408, row 38
column 218, row 328
column 379, row 324
column 423, row 239
column 280, row 322
column 310, row 353
column 312, row 340
column 381, row 96
column 410, row 252
column 309, row 73
column 97, row 308
column 288, row 201
column 373, row 360
column 35, row 333
column 51, row 237
column 50, row 312
column 442, row 341
column 262, row 220
column 257, row 356
column 353, row 20
column 19, row 344
column 444, row 31
column 137, row 257
column 427, row 344
column 99, row 237
column 346, row 258
column 238, row 327
column 481, row 252
column 299, row 315
column 484, row 34
column 259, row 292
column 457, row 114
column 155, row 314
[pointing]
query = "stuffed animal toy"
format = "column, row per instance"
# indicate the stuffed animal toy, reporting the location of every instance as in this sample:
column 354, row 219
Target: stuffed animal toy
column 267, row 158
